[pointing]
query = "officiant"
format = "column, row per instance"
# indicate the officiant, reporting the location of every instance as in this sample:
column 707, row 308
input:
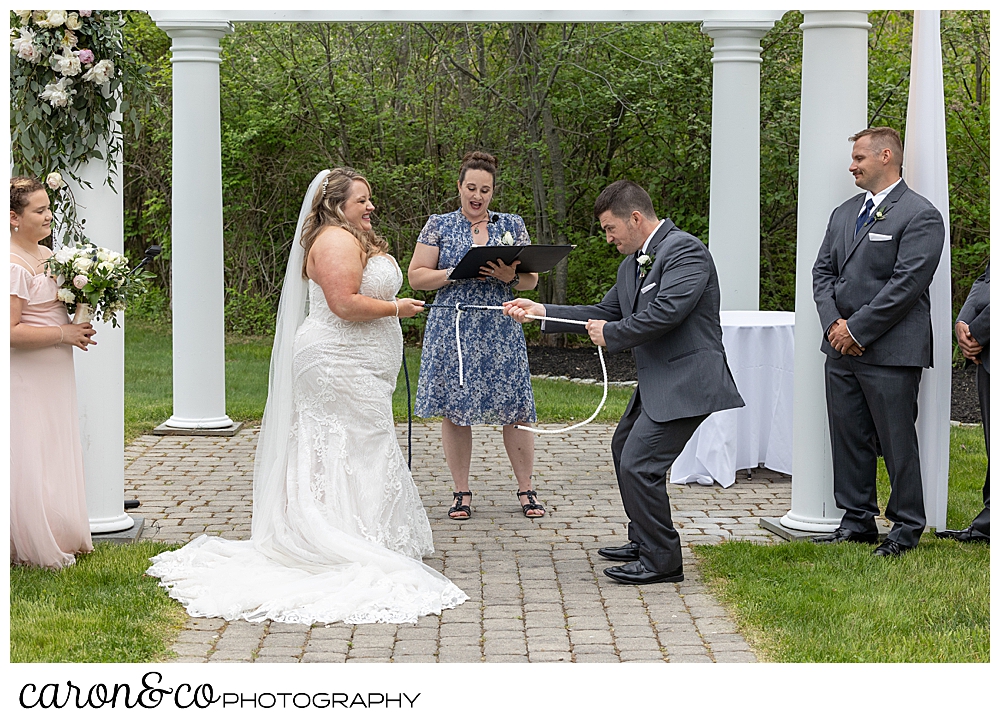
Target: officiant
column 495, row 384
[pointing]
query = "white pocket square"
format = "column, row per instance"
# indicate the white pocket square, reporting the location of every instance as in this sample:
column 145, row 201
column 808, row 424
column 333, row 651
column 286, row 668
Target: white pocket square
column 647, row 287
column 879, row 237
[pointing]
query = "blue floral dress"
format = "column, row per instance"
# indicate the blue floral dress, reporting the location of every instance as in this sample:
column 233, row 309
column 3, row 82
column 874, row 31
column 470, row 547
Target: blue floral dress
column 497, row 386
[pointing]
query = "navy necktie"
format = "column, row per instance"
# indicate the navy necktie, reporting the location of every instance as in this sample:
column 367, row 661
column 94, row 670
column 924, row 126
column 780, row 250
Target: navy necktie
column 863, row 218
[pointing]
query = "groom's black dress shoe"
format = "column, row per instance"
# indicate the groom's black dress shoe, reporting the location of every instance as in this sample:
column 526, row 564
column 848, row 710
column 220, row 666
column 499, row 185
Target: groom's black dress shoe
column 635, row 573
column 890, row 548
column 626, row 553
column 842, row 534
column 966, row 535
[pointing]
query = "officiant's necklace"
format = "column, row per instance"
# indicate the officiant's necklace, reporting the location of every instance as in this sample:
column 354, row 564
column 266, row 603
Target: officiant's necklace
column 475, row 224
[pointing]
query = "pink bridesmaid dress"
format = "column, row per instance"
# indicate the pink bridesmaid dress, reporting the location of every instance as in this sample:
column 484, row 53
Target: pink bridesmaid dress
column 48, row 505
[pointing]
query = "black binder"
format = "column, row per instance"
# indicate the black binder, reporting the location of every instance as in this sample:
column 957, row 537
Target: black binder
column 534, row 259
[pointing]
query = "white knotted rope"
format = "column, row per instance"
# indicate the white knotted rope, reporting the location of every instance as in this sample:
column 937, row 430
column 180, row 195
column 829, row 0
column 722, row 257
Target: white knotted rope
column 461, row 373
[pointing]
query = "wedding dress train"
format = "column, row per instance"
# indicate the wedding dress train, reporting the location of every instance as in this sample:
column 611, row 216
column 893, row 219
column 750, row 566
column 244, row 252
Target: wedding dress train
column 338, row 527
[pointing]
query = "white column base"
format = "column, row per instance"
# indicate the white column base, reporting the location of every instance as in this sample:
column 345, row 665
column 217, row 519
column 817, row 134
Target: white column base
column 110, row 524
column 809, row 524
column 211, row 423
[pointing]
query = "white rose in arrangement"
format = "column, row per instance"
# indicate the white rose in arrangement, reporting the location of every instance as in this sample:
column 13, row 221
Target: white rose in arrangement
column 66, row 64
column 65, row 255
column 100, row 73
column 107, row 266
column 25, row 48
column 73, row 21
column 58, row 94
column 79, row 281
column 56, row 18
column 54, row 181
column 82, row 264
column 25, row 15
column 65, row 296
column 103, row 255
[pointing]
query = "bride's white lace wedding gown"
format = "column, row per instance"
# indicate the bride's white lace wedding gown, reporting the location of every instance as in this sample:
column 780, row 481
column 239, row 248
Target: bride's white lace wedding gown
column 349, row 529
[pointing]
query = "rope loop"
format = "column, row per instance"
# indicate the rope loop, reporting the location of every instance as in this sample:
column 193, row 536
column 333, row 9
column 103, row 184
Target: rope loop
column 459, row 308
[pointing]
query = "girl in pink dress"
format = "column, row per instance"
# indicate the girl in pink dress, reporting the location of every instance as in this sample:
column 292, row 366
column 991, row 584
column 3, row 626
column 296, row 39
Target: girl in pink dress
column 48, row 506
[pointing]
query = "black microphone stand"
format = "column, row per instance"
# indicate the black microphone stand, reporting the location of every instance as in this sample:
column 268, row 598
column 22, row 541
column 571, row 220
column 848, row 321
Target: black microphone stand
column 151, row 253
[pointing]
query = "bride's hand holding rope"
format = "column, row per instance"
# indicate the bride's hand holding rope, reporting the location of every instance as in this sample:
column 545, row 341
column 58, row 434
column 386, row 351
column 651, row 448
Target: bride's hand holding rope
column 407, row 307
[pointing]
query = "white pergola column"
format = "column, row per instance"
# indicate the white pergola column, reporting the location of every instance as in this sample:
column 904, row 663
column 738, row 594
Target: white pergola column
column 100, row 371
column 734, row 203
column 199, row 373
column 834, row 107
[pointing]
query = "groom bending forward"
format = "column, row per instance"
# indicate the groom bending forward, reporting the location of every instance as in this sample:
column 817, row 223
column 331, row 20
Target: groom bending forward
column 664, row 306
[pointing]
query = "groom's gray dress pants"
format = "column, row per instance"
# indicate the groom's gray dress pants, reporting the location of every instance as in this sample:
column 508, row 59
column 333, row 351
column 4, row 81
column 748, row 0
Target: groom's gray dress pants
column 643, row 451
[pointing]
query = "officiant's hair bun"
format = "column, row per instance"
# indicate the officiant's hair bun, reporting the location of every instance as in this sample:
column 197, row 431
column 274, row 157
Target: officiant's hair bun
column 478, row 161
column 20, row 188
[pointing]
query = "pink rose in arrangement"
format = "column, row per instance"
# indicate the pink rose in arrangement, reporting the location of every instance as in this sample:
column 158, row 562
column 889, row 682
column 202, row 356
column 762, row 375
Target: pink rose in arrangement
column 79, row 281
column 86, row 56
column 85, row 13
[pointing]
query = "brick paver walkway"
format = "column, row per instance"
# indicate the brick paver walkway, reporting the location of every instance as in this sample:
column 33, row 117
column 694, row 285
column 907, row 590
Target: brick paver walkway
column 536, row 588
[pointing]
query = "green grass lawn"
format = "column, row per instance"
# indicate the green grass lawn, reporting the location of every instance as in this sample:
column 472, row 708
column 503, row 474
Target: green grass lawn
column 794, row 602
column 800, row 602
column 149, row 390
column 100, row 610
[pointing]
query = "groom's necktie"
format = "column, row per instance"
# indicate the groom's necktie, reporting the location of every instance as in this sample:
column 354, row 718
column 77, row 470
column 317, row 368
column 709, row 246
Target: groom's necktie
column 863, row 218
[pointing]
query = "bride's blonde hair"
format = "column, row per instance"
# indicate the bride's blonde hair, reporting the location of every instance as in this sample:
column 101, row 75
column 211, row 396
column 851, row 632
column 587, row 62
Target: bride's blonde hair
column 328, row 210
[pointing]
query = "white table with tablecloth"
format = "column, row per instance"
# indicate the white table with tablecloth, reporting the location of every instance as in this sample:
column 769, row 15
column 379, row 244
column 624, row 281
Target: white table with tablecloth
column 760, row 351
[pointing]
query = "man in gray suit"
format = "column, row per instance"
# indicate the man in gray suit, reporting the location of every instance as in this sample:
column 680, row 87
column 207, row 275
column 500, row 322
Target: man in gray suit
column 870, row 284
column 973, row 332
column 665, row 307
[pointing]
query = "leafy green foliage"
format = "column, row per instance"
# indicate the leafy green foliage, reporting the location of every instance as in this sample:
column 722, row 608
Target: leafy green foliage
column 62, row 100
column 565, row 107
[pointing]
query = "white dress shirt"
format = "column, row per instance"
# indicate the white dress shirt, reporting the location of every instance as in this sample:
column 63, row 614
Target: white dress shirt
column 650, row 238
column 876, row 200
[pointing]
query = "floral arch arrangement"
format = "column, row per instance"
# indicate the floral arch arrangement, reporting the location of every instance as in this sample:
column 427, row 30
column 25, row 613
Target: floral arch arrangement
column 68, row 71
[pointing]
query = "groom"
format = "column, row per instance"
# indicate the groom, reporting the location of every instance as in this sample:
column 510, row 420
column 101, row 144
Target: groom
column 665, row 307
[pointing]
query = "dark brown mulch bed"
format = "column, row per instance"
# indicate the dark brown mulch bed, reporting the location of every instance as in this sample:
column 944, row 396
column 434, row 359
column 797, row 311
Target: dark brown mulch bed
column 582, row 362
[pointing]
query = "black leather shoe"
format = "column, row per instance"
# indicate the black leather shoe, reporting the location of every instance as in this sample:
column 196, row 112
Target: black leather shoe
column 842, row 534
column 890, row 548
column 635, row 573
column 626, row 553
column 966, row 535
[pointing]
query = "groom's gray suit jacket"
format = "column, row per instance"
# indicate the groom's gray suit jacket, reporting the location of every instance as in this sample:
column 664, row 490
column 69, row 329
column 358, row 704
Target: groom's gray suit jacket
column 878, row 278
column 670, row 320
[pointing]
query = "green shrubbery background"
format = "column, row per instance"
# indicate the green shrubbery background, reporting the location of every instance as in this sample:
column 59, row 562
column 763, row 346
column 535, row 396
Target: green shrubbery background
column 566, row 108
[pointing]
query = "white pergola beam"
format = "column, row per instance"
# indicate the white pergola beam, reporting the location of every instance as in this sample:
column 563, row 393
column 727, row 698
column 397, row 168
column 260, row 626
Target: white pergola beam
column 527, row 15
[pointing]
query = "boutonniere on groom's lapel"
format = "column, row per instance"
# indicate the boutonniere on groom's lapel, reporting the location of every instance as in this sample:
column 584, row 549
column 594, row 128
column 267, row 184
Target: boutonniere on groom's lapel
column 879, row 213
column 645, row 264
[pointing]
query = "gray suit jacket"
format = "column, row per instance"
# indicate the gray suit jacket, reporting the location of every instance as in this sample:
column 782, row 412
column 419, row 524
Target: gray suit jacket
column 976, row 313
column 672, row 328
column 878, row 279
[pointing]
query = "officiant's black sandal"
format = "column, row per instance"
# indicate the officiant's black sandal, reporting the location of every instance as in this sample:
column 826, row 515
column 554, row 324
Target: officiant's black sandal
column 459, row 507
column 531, row 504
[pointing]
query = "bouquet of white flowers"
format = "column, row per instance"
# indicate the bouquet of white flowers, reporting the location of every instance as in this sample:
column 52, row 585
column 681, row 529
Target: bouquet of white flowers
column 94, row 283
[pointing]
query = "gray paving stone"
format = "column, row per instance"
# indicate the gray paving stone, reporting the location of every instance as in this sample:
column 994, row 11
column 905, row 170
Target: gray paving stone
column 533, row 584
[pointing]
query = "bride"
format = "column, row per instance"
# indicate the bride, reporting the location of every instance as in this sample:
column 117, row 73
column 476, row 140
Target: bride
column 338, row 527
